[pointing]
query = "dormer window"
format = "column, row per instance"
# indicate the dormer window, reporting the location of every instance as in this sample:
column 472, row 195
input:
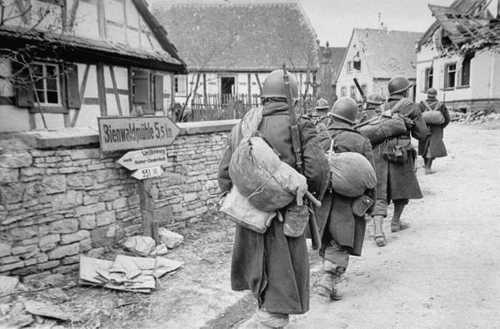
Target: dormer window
column 356, row 62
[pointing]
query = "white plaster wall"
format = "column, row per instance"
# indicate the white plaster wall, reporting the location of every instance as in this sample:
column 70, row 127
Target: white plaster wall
column 86, row 23
column 88, row 116
column 13, row 119
column 485, row 78
column 54, row 121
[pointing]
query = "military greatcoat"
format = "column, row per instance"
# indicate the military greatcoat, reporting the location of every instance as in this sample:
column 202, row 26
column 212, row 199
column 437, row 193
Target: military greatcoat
column 433, row 146
column 273, row 266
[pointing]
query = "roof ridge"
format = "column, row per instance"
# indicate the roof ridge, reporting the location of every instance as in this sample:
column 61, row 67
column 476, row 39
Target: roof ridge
column 387, row 31
column 199, row 3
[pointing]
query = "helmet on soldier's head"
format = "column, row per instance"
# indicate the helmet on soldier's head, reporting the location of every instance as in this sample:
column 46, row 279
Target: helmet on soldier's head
column 345, row 109
column 375, row 99
column 274, row 86
column 322, row 105
column 399, row 85
column 432, row 93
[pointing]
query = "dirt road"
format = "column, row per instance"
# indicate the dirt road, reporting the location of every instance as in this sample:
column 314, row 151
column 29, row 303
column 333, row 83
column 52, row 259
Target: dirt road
column 444, row 272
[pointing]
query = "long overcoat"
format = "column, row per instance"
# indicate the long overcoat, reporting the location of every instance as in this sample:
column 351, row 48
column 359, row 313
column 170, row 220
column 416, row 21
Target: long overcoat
column 275, row 267
column 335, row 218
column 398, row 181
column 433, row 146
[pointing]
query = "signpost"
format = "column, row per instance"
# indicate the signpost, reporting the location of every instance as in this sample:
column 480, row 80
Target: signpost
column 148, row 135
column 145, row 173
column 155, row 157
column 135, row 133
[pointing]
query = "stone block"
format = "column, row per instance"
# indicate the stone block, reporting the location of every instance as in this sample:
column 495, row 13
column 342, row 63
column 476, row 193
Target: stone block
column 9, row 260
column 18, row 250
column 65, row 269
column 67, row 225
column 54, row 184
column 85, row 154
column 21, row 233
column 80, row 180
column 90, row 199
column 49, row 242
column 63, row 251
column 169, row 238
column 120, row 203
column 74, row 237
column 48, row 265
column 69, row 199
column 105, row 218
column 99, row 237
column 15, row 160
column 10, row 267
column 71, row 260
column 5, row 249
column 188, row 197
column 31, row 171
column 90, row 209
column 9, row 175
column 88, row 222
column 11, row 192
column 85, row 245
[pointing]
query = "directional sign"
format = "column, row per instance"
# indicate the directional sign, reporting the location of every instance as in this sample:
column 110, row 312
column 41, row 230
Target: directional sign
column 145, row 173
column 146, row 158
column 135, row 133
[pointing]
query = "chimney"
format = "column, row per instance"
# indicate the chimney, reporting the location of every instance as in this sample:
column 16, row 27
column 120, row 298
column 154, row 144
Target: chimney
column 498, row 9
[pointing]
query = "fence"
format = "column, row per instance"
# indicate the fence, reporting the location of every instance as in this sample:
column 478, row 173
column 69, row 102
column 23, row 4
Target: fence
column 225, row 107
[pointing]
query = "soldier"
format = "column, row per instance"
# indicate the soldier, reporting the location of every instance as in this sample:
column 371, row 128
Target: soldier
column 273, row 266
column 395, row 161
column 434, row 146
column 319, row 116
column 373, row 103
column 342, row 232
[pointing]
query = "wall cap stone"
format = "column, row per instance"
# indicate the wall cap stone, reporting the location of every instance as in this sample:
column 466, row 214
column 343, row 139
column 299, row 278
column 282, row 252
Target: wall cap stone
column 73, row 137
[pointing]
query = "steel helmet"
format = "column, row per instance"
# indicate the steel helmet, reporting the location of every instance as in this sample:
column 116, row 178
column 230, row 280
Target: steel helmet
column 432, row 93
column 274, row 86
column 345, row 109
column 322, row 104
column 398, row 85
column 375, row 99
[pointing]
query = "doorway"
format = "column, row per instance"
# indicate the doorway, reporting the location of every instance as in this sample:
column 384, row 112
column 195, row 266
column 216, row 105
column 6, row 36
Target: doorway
column 227, row 89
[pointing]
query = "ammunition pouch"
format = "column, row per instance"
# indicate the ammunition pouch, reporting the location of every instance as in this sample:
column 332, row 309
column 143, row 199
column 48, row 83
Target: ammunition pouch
column 296, row 219
column 398, row 150
column 361, row 205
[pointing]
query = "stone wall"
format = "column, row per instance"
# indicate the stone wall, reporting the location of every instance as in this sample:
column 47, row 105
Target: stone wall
column 58, row 201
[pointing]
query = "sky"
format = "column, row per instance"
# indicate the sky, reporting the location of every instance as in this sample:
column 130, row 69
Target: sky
column 334, row 20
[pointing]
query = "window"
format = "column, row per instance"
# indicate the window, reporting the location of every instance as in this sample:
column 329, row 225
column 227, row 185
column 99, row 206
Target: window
column 343, row 92
column 353, row 92
column 450, row 75
column 465, row 78
column 356, row 62
column 47, row 83
column 147, row 91
column 180, row 85
column 428, row 79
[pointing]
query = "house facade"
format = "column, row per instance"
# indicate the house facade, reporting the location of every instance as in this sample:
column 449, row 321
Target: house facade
column 330, row 64
column 374, row 56
column 66, row 63
column 467, row 77
column 230, row 48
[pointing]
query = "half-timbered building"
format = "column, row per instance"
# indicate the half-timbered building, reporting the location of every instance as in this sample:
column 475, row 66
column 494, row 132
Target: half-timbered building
column 64, row 63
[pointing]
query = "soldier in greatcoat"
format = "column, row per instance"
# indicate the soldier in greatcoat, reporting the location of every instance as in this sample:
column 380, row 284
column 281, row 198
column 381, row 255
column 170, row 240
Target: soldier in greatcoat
column 273, row 266
column 433, row 147
column 342, row 231
column 372, row 109
column 395, row 161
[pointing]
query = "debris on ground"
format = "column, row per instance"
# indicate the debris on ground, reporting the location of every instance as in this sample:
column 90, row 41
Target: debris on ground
column 8, row 284
column 474, row 117
column 48, row 310
column 126, row 273
column 160, row 250
column 141, row 245
column 170, row 239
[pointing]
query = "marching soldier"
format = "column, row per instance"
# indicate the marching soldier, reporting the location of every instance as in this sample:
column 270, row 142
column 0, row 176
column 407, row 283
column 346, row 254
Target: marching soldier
column 395, row 161
column 319, row 116
column 434, row 146
column 273, row 266
column 373, row 103
column 341, row 230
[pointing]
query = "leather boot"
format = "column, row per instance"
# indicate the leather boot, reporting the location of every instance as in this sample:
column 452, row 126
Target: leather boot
column 396, row 223
column 326, row 285
column 379, row 236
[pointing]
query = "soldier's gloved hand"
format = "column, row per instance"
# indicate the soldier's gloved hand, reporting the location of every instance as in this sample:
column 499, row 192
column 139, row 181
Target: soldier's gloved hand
column 300, row 193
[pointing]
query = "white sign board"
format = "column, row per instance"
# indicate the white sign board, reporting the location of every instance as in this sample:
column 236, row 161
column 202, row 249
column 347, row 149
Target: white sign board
column 146, row 173
column 147, row 158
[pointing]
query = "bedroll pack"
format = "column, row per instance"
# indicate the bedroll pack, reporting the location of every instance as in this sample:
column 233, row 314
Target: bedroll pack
column 433, row 117
column 260, row 175
column 242, row 212
column 351, row 173
column 382, row 128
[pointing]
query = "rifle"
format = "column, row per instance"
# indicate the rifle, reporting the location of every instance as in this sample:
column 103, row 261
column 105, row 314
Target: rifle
column 361, row 92
column 297, row 150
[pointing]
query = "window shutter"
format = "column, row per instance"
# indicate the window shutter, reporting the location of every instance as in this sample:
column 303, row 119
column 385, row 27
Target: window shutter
column 25, row 96
column 140, row 81
column 158, row 95
column 72, row 88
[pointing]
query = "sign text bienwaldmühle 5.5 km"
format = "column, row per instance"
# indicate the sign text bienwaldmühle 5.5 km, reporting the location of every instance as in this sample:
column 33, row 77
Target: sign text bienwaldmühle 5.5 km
column 133, row 133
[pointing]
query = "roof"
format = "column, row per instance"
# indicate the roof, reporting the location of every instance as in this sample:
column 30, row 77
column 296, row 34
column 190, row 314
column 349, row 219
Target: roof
column 76, row 47
column 388, row 53
column 462, row 6
column 244, row 37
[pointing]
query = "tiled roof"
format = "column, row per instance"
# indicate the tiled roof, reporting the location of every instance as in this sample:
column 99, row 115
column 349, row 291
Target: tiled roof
column 388, row 53
column 240, row 37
